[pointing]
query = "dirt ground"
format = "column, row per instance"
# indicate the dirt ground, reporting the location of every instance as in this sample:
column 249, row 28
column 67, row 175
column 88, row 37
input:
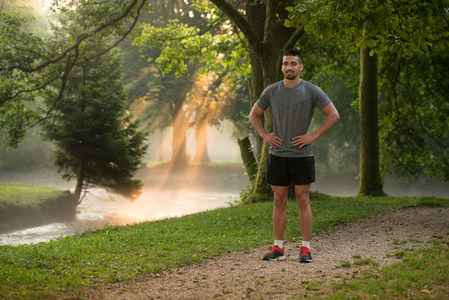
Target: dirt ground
column 244, row 275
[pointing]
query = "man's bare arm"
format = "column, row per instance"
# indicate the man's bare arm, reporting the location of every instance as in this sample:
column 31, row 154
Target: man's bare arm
column 332, row 117
column 254, row 118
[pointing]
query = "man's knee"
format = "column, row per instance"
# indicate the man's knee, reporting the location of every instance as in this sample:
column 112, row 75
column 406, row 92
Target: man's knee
column 280, row 201
column 302, row 199
column 303, row 203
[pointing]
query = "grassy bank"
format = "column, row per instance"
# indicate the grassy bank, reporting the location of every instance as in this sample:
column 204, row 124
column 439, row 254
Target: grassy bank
column 24, row 195
column 23, row 205
column 114, row 253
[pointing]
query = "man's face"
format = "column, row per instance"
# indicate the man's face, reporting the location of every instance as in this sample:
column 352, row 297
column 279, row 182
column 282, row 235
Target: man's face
column 291, row 67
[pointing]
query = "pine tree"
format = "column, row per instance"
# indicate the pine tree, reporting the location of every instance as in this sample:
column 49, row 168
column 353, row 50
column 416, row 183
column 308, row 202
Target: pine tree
column 97, row 143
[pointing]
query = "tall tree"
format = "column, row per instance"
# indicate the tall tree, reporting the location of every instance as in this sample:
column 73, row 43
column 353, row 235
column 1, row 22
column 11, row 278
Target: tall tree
column 370, row 179
column 208, row 106
column 267, row 37
column 374, row 27
column 185, row 46
column 29, row 63
column 97, row 143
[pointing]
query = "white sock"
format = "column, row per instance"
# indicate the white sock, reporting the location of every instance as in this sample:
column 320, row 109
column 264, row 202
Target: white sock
column 306, row 244
column 279, row 243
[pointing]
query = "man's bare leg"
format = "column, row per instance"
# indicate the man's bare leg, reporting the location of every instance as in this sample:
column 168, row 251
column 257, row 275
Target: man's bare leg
column 279, row 223
column 305, row 220
column 279, row 211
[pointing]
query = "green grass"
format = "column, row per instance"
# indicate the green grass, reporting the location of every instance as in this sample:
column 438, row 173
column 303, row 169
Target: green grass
column 69, row 265
column 18, row 194
column 422, row 274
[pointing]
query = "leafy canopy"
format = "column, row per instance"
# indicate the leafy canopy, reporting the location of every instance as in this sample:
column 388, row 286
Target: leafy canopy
column 29, row 64
column 402, row 27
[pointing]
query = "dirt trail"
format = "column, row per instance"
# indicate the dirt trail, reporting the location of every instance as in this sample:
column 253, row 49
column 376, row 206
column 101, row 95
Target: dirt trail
column 243, row 275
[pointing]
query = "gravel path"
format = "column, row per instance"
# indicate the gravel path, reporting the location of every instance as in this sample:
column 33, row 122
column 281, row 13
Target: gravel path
column 243, row 275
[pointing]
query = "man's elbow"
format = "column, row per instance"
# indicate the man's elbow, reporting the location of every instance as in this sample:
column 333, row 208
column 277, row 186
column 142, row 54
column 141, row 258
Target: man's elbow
column 253, row 116
column 250, row 117
column 336, row 116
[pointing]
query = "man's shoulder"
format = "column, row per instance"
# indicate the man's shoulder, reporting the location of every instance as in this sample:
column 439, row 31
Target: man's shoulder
column 308, row 84
column 311, row 88
column 275, row 85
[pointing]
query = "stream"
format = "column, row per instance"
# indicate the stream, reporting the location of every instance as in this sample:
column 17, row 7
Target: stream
column 100, row 208
column 164, row 195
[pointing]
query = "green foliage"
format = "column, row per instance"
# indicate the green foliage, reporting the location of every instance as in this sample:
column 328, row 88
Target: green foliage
column 403, row 28
column 415, row 114
column 97, row 143
column 32, row 153
column 167, row 39
column 29, row 64
column 339, row 151
column 15, row 56
column 114, row 253
column 413, row 120
column 182, row 45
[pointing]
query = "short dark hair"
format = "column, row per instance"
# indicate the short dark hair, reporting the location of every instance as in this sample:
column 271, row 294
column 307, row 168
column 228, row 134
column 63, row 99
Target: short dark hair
column 293, row 53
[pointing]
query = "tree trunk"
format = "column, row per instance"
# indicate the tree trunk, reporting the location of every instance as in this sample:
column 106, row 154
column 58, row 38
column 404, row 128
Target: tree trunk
column 266, row 47
column 160, row 150
column 179, row 144
column 79, row 185
column 201, row 153
column 370, row 179
column 271, row 65
column 255, row 14
column 249, row 160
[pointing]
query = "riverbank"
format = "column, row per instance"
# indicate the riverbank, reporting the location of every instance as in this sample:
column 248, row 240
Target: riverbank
column 23, row 205
column 181, row 192
column 67, row 267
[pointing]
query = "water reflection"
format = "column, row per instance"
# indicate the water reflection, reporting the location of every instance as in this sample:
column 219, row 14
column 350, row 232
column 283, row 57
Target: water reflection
column 101, row 208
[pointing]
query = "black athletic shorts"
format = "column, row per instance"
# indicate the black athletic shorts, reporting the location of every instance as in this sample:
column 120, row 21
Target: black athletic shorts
column 283, row 170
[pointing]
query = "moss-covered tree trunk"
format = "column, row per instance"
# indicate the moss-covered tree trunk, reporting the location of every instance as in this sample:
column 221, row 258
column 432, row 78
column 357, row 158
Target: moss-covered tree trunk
column 256, row 13
column 248, row 157
column 370, row 179
column 267, row 38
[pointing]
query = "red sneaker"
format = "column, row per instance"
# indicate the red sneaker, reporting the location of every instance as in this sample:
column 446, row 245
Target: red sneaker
column 276, row 253
column 305, row 255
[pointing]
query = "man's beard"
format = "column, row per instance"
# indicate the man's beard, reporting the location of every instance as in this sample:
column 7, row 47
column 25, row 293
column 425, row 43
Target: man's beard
column 291, row 75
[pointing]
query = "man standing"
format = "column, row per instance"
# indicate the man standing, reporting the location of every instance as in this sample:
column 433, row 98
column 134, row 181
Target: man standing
column 290, row 158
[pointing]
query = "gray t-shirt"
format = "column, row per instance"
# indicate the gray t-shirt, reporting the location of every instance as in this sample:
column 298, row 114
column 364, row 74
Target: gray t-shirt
column 292, row 113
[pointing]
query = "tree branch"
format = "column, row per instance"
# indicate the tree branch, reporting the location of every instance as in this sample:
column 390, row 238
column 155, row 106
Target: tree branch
column 85, row 35
column 241, row 22
column 295, row 37
column 136, row 18
column 70, row 64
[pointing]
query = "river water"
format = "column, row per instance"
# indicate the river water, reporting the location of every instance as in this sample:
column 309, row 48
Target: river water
column 157, row 201
column 100, row 208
